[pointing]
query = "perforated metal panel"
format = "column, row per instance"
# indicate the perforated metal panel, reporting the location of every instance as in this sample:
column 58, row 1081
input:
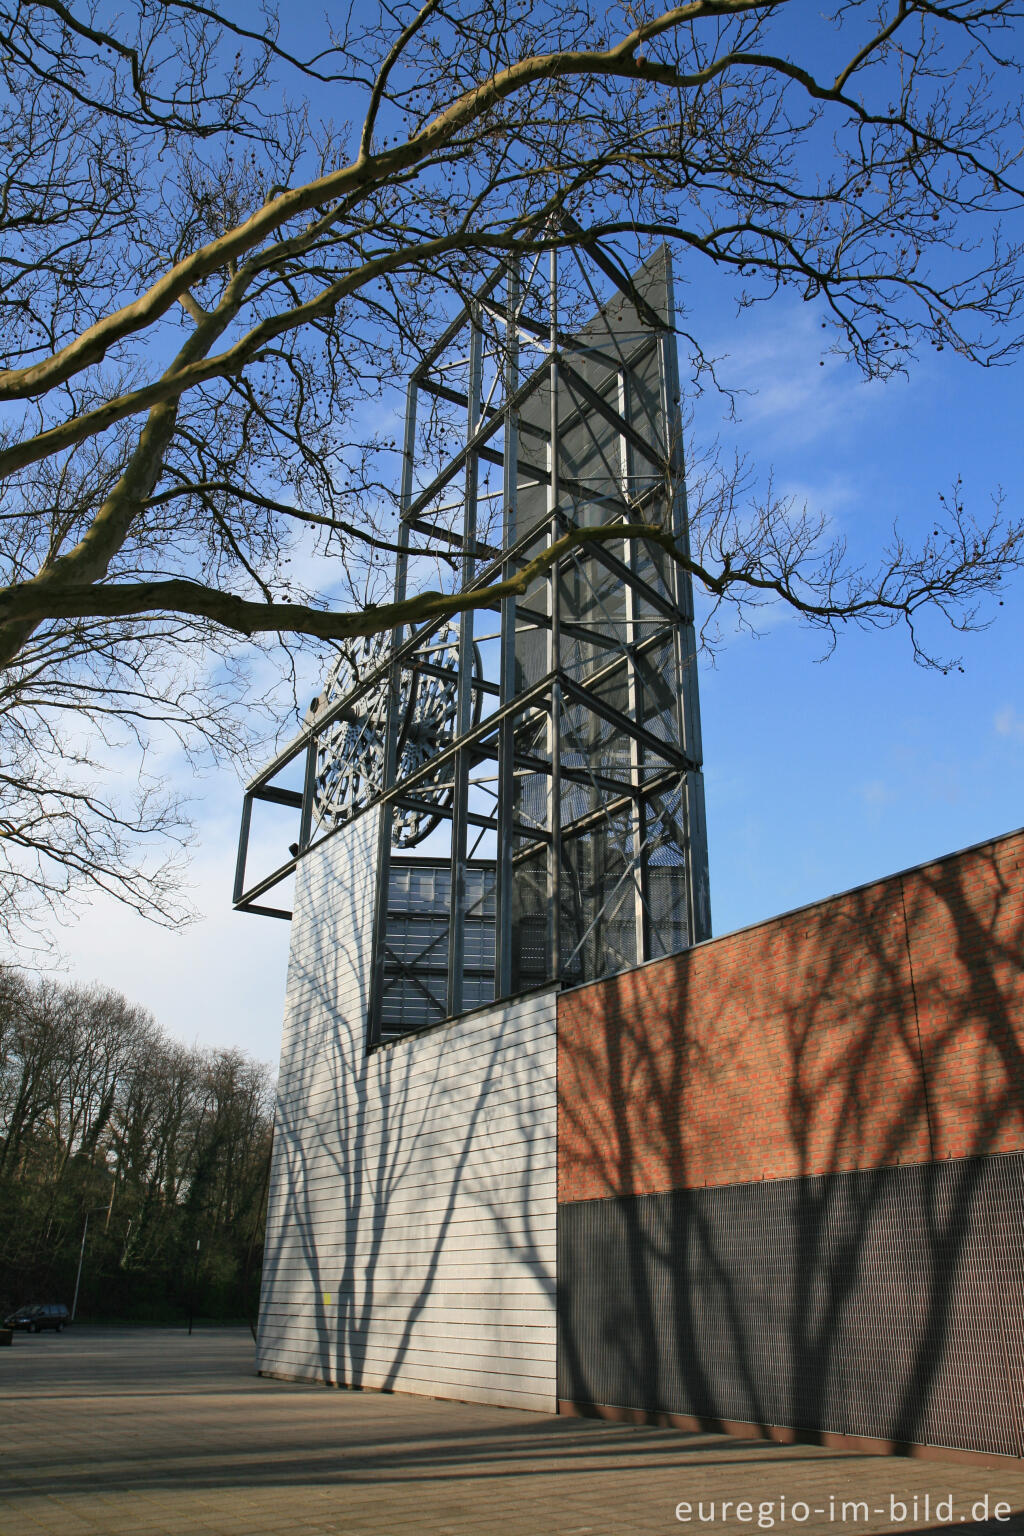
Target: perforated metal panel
column 415, row 968
column 887, row 1304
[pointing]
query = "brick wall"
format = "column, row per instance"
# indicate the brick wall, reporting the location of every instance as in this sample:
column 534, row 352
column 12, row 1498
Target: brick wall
column 880, row 1027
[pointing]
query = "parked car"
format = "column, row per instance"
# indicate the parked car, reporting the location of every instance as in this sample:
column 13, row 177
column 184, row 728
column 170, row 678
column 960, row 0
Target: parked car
column 33, row 1319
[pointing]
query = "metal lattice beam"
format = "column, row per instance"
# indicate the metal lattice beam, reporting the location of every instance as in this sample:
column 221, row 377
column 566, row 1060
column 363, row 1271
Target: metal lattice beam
column 586, row 432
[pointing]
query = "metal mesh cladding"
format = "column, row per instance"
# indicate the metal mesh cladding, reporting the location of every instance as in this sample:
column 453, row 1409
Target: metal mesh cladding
column 531, row 731
column 885, row 1304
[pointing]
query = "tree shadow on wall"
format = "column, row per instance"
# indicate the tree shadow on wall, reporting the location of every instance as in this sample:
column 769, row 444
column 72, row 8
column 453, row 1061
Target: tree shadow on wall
column 411, row 1227
column 811, row 1131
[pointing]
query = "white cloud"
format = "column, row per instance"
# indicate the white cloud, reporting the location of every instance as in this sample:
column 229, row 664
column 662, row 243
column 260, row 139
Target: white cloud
column 876, row 793
column 799, row 392
column 1009, row 723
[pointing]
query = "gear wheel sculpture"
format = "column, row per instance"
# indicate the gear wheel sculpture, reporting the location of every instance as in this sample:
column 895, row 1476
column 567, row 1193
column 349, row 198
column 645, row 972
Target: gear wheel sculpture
column 350, row 752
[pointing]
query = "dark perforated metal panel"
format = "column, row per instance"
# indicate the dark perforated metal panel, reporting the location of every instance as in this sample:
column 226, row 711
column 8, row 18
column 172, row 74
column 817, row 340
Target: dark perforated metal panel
column 414, row 973
column 887, row 1304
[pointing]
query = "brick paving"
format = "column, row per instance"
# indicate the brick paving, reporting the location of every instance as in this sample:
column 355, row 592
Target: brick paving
column 153, row 1433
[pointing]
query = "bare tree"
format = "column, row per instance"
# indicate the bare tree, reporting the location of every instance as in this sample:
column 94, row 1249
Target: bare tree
column 100, row 1109
column 34, row 1031
column 208, row 288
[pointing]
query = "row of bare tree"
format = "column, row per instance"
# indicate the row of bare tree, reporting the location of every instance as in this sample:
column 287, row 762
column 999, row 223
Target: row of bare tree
column 163, row 1147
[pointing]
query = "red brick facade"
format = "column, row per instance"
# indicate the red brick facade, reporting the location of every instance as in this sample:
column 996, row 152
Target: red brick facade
column 882, row 1026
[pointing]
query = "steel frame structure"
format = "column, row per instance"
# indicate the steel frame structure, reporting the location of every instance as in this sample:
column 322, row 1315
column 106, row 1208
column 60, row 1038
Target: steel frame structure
column 573, row 758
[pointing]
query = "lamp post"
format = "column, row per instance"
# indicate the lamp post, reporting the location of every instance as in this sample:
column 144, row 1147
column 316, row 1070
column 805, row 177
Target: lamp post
column 96, row 1211
column 192, row 1296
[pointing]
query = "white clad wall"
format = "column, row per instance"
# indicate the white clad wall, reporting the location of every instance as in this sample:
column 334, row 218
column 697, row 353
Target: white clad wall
column 411, row 1224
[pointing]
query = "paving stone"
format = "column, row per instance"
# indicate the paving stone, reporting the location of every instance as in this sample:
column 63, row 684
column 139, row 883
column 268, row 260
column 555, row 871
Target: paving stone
column 153, row 1433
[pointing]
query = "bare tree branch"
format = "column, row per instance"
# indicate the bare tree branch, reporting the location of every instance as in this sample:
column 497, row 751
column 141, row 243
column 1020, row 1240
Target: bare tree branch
column 210, row 294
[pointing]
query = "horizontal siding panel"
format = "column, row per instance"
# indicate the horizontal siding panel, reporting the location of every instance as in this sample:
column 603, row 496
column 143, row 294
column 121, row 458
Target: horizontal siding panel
column 369, row 1238
column 444, row 1134
column 396, row 1314
column 486, row 1158
column 519, row 1088
column 330, row 1257
column 509, row 1057
column 479, row 1164
column 495, row 1200
column 435, row 1210
column 450, row 1110
column 337, row 1271
column 494, row 1045
column 504, row 1396
column 415, row 1186
column 515, row 1053
column 490, row 1281
column 435, row 1155
column 434, row 1367
column 491, row 1271
column 447, row 1367
column 446, row 1113
column 520, row 1338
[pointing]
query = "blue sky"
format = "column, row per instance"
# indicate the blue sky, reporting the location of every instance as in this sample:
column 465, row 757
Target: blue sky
column 818, row 776
column 821, row 776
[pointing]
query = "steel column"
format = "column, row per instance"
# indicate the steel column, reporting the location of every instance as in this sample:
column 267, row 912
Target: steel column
column 464, row 703
column 554, row 742
column 386, row 812
column 507, row 654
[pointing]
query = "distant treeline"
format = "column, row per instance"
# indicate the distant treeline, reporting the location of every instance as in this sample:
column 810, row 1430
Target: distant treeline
column 164, row 1147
